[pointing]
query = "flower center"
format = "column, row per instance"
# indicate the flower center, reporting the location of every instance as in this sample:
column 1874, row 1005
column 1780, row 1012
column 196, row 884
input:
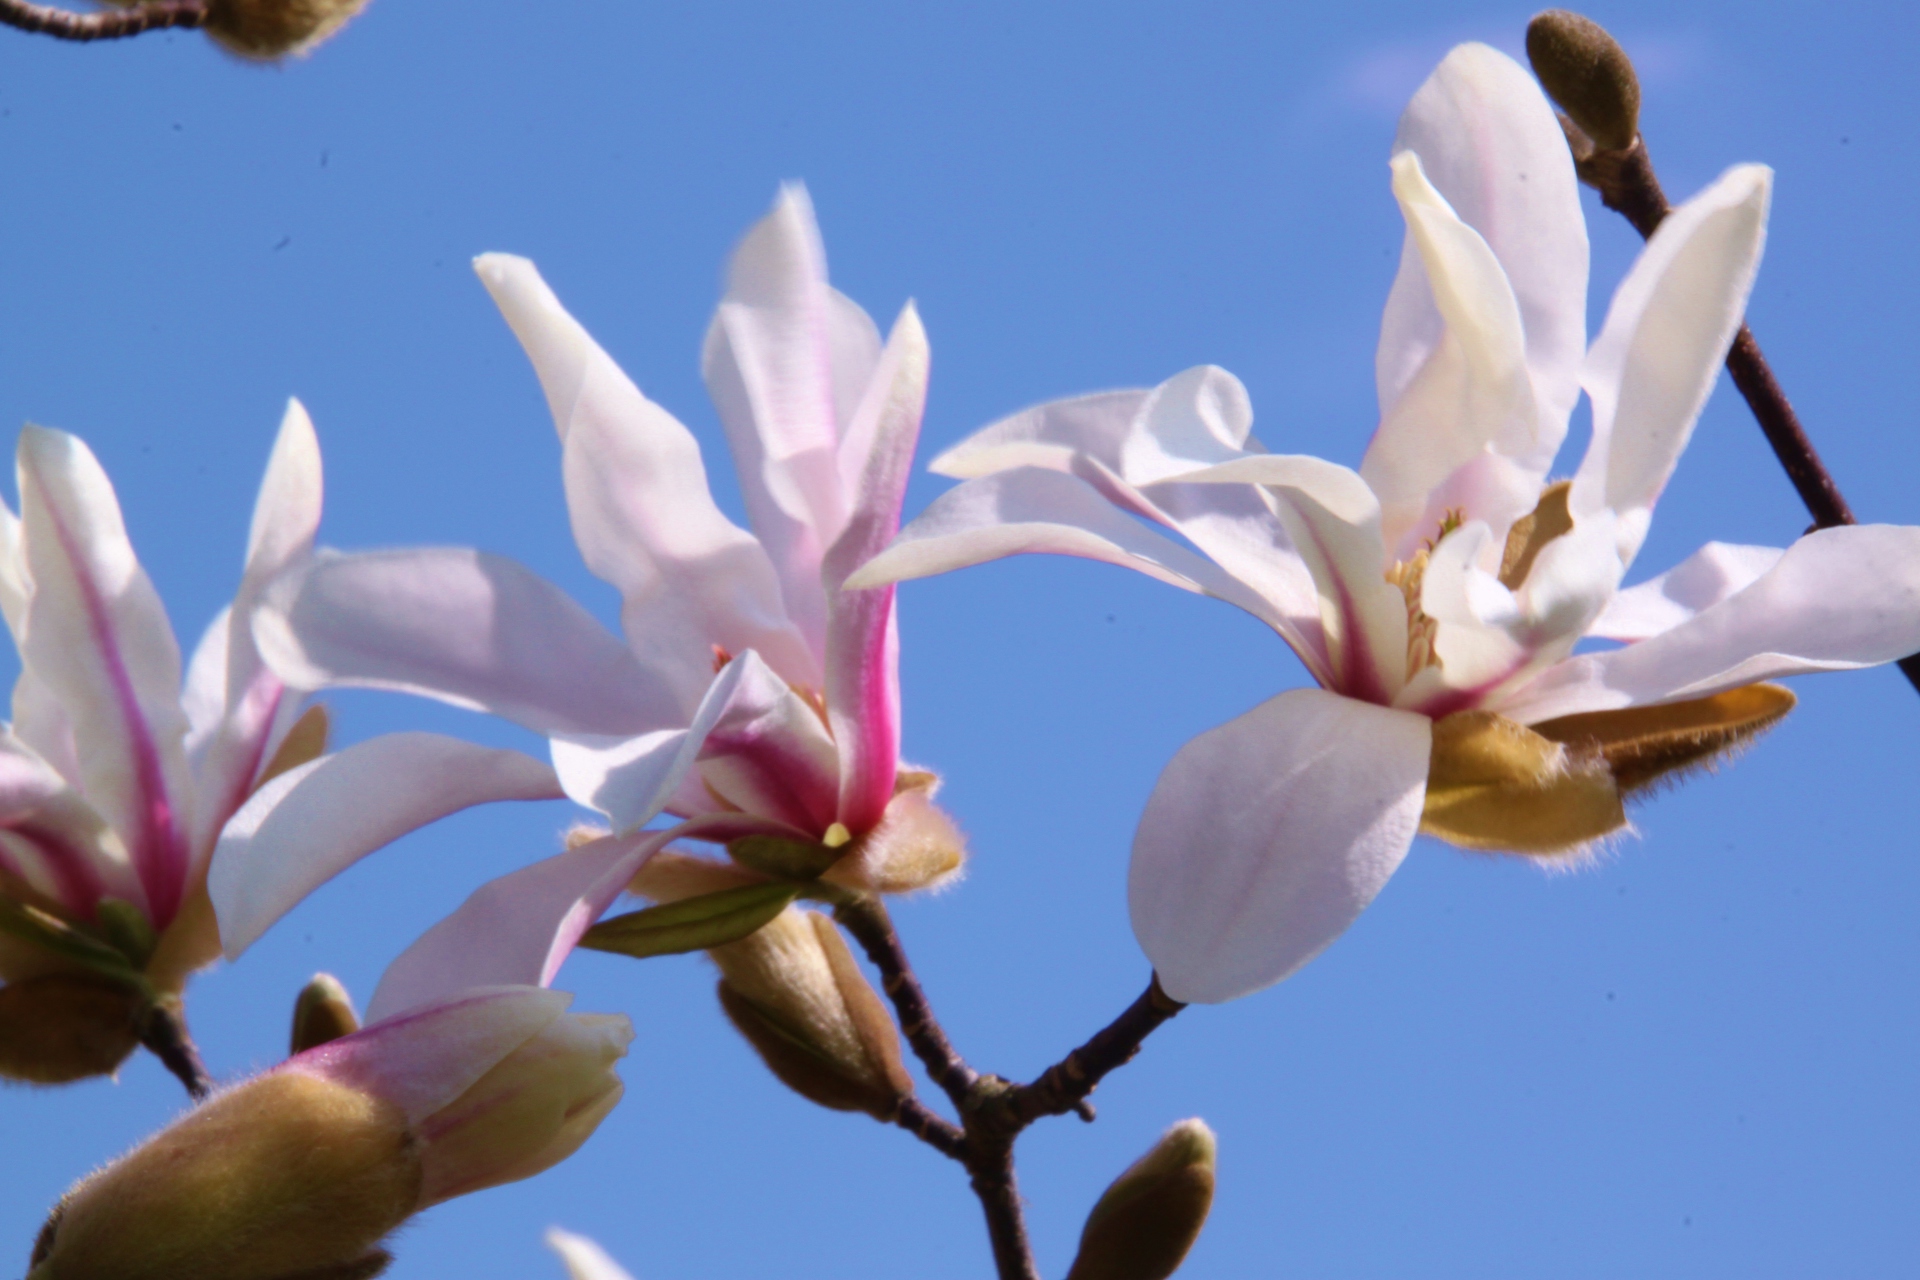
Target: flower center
column 1408, row 575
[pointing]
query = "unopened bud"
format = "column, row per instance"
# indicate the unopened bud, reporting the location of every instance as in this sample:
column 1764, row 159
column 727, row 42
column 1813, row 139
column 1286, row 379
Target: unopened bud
column 1145, row 1223
column 1494, row 784
column 795, row 992
column 285, row 1175
column 915, row 846
column 268, row 29
column 1647, row 746
column 322, row 1014
column 66, row 1026
column 1587, row 72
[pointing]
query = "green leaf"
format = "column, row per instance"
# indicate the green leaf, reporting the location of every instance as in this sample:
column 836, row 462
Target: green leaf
column 50, row 932
column 693, row 924
column 787, row 859
column 128, row 929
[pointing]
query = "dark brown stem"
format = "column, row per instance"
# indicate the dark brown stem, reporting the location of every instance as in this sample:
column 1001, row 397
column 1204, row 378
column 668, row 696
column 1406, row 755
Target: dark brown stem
column 114, row 24
column 999, row 1195
column 867, row 920
column 1629, row 186
column 165, row 1035
column 1064, row 1086
column 941, row 1134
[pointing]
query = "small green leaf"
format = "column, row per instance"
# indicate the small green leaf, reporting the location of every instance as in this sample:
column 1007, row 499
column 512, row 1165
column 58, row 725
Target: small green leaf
column 49, row 931
column 128, row 929
column 692, row 924
column 787, row 859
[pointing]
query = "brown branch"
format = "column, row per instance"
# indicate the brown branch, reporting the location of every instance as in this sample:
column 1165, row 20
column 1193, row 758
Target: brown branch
column 999, row 1195
column 114, row 24
column 941, row 1134
column 165, row 1035
column 867, row 920
column 1064, row 1086
column 1629, row 186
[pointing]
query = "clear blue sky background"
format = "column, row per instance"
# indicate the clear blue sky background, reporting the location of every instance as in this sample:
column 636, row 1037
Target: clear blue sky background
column 1695, row 1059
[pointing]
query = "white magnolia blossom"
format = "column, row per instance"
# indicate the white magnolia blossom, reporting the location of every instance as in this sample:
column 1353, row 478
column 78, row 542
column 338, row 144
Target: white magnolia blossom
column 752, row 695
column 1396, row 584
column 585, row 1260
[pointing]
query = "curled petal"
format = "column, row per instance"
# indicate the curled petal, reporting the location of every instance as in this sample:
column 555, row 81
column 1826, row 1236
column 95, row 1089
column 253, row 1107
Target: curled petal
column 1701, row 581
column 1266, row 837
column 1193, row 420
column 1050, row 435
column 309, row 824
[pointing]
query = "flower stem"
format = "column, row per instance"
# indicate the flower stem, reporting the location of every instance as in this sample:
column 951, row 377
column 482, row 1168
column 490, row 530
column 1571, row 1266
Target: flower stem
column 165, row 1035
column 114, row 24
column 993, row 1111
column 1629, row 186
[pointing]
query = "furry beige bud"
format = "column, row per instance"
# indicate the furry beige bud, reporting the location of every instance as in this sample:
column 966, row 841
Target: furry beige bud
column 322, row 1014
column 1495, row 784
column 1646, row 746
column 268, row 29
column 64, row 1027
column 286, row 1175
column 1144, row 1224
column 1587, row 72
column 915, row 846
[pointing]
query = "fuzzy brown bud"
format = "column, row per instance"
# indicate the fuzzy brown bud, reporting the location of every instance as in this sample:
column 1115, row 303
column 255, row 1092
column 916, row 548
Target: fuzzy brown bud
column 268, row 29
column 66, row 1026
column 1143, row 1226
column 1494, row 784
column 1587, row 72
column 322, row 1014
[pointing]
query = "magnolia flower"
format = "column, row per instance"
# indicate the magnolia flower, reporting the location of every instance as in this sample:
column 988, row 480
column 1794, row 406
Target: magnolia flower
column 114, row 781
column 585, row 1260
column 1437, row 594
column 469, row 1075
column 753, row 695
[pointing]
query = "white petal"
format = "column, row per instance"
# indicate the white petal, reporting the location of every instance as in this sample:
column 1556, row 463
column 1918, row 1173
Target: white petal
column 1660, row 351
column 585, row 1260
column 1196, row 419
column 637, row 494
column 1701, row 581
column 1050, row 435
column 98, row 637
column 1838, row 599
column 311, row 823
column 1471, row 397
column 1488, row 141
column 1265, row 838
column 16, row 585
column 476, row 630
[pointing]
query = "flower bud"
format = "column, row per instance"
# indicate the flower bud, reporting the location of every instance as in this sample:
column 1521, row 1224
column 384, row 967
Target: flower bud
column 268, row 29
column 1495, row 784
column 1646, row 746
column 915, row 846
column 1587, row 72
column 322, row 1014
column 797, row 995
column 63, row 1027
column 1145, row 1223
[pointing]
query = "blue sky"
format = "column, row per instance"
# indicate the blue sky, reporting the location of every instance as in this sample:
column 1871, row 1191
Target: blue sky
column 1695, row 1058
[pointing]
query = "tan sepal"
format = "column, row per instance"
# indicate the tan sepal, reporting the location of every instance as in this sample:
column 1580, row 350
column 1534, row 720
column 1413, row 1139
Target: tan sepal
column 367, row 1268
column 670, row 876
column 1586, row 71
column 786, row 859
column 322, row 1014
column 1533, row 531
column 1644, row 746
column 1144, row 1224
column 305, row 742
column 284, row 1176
column 66, row 1027
column 916, row 845
column 1497, row 785
column 274, row 28
column 796, row 993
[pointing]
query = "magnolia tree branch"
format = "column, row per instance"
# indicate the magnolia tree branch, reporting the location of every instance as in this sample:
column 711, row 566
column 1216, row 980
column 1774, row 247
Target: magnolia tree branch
column 1629, row 186
column 114, row 24
column 164, row 1034
column 993, row 1111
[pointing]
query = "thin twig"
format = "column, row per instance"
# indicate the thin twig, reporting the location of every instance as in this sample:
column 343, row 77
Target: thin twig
column 1629, row 186
column 1064, row 1086
column 944, row 1136
column 114, row 24
column 867, row 920
column 999, row 1195
column 165, row 1035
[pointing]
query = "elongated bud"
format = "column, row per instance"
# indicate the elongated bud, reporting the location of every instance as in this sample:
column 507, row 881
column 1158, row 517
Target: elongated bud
column 283, row 1175
column 322, row 1014
column 1647, row 746
column 65, row 1027
column 1145, row 1223
column 797, row 995
column 1494, row 784
column 1587, row 72
column 269, row 29
column 915, row 846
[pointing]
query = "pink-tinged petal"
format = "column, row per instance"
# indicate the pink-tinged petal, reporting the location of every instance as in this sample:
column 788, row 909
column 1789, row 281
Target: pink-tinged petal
column 1488, row 141
column 637, row 494
column 427, row 1057
column 863, row 642
column 311, row 823
column 1333, row 521
column 518, row 928
column 53, row 842
column 204, row 695
column 1194, row 419
column 585, row 1260
column 1838, row 599
column 1049, row 435
column 98, row 636
column 1470, row 396
column 16, row 586
column 769, row 365
column 1701, row 581
column 1265, row 838
column 475, row 630
column 1659, row 353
